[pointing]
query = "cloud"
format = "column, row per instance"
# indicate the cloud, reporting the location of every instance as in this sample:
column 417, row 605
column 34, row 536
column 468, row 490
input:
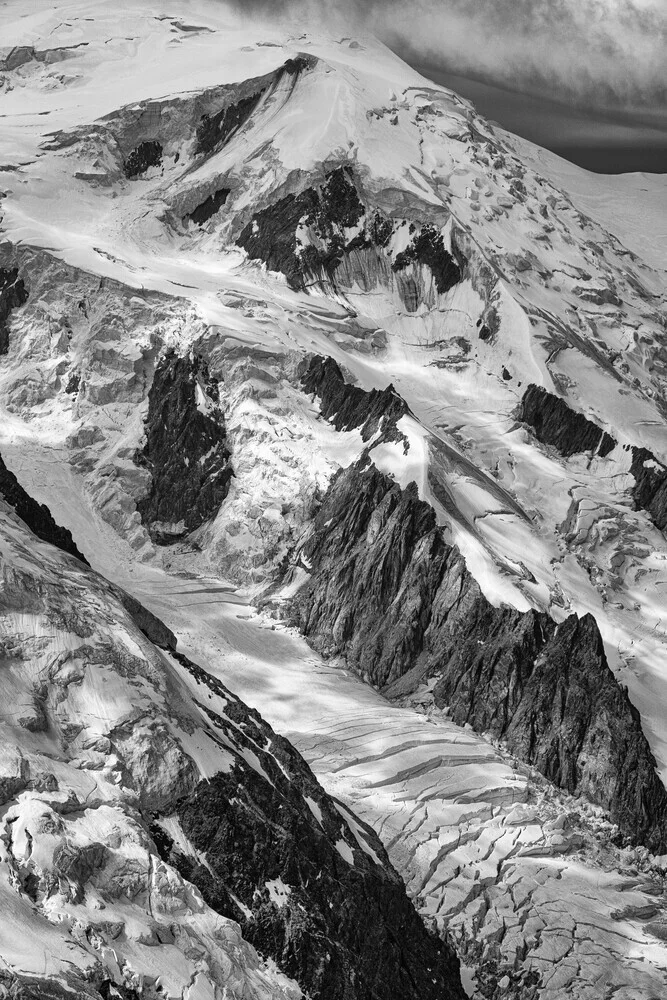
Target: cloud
column 602, row 53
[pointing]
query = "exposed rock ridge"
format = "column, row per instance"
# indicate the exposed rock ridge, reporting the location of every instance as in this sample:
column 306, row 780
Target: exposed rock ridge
column 18, row 55
column 314, row 892
column 554, row 423
column 348, row 406
column 185, row 450
column 36, row 515
column 311, row 236
column 169, row 131
column 328, row 211
column 13, row 294
column 152, row 627
column 389, row 593
column 215, row 130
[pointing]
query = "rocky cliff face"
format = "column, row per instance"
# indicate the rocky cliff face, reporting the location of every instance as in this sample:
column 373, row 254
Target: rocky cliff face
column 215, row 129
column 147, row 154
column 185, row 449
column 554, row 423
column 13, row 294
column 428, row 248
column 347, row 406
column 387, row 591
column 138, row 837
column 309, row 884
column 37, row 516
column 209, row 207
column 327, row 234
column 329, row 212
column 650, row 490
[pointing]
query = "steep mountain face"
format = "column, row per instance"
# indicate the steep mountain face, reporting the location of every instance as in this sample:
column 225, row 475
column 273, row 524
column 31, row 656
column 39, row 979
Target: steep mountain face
column 334, row 916
column 386, row 590
column 347, row 406
column 153, row 823
column 13, row 294
column 325, row 235
column 36, row 516
column 554, row 423
column 185, row 450
column 290, row 335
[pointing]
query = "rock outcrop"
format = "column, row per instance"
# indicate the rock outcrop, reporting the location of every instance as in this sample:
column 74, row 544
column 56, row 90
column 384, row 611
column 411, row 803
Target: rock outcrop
column 650, row 490
column 146, row 154
column 428, row 247
column 171, row 809
column 389, row 593
column 273, row 234
column 21, row 987
column 216, row 129
column 310, row 885
column 208, row 208
column 185, row 451
column 348, row 406
column 13, row 294
column 152, row 627
column 326, row 234
column 37, row 516
column 554, row 423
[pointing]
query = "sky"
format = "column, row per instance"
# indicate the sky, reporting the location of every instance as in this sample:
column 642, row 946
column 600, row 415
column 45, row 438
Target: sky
column 575, row 75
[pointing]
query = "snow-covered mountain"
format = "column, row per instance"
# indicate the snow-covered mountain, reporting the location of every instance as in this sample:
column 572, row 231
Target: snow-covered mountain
column 355, row 404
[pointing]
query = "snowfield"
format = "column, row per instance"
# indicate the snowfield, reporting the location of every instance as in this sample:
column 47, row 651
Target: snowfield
column 564, row 288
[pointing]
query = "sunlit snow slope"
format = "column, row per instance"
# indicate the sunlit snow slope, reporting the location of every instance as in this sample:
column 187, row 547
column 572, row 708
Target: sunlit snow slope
column 194, row 206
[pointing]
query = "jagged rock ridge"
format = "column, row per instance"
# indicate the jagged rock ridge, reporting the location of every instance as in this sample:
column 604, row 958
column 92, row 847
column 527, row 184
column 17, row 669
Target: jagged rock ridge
column 389, row 593
column 347, row 406
column 185, row 449
column 37, row 516
column 554, row 423
column 214, row 130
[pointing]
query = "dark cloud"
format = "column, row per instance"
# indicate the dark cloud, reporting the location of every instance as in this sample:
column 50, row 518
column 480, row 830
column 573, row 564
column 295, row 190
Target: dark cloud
column 601, row 53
